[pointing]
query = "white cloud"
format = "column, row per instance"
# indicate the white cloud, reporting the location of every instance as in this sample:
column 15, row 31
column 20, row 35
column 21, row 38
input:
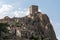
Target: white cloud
column 27, row 11
column 17, row 13
column 22, row 13
column 39, row 10
column 5, row 9
column 58, row 38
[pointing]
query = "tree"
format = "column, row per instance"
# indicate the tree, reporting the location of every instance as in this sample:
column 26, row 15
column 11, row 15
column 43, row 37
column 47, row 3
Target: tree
column 3, row 28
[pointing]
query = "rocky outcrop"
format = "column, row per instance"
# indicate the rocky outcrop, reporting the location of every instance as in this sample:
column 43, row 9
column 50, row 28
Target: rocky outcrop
column 35, row 26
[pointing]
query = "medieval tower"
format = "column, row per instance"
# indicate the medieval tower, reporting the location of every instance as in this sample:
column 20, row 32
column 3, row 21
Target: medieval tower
column 33, row 9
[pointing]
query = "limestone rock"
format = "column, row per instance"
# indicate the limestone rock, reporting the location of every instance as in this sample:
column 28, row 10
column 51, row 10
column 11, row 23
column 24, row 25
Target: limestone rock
column 35, row 26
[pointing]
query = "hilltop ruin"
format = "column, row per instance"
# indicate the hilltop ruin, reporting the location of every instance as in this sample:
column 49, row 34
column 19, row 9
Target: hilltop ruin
column 35, row 26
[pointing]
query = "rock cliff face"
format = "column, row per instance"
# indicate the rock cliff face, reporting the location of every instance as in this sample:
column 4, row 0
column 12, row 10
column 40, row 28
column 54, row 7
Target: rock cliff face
column 35, row 26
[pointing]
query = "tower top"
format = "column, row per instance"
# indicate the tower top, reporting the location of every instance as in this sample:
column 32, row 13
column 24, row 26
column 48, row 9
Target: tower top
column 33, row 9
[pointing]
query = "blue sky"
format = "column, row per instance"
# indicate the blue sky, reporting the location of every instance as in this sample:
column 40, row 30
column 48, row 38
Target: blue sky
column 19, row 8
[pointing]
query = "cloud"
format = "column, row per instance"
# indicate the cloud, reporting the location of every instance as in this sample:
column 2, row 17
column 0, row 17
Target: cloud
column 22, row 13
column 58, row 38
column 39, row 10
column 5, row 9
column 16, row 13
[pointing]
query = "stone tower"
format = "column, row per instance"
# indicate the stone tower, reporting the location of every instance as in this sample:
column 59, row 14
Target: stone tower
column 33, row 9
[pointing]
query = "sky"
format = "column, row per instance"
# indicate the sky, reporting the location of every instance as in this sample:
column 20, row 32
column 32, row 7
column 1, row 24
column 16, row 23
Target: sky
column 19, row 8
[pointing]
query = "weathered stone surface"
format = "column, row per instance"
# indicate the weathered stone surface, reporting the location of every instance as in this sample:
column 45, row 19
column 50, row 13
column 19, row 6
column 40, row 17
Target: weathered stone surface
column 35, row 26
